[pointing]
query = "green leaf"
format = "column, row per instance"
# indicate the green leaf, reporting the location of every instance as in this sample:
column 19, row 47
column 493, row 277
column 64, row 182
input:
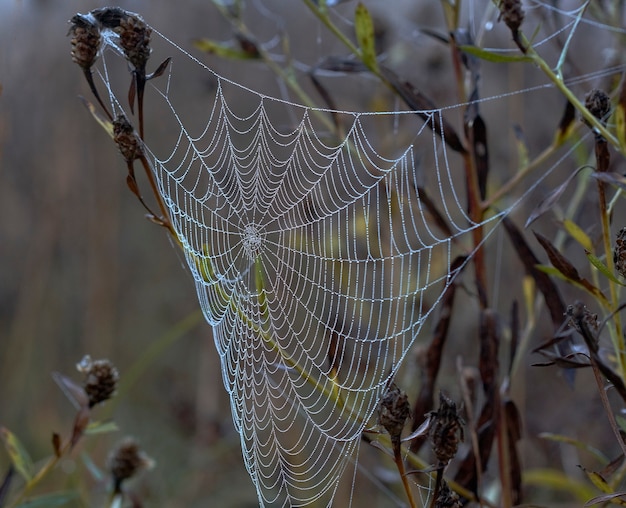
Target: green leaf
column 597, row 479
column 578, row 234
column 364, row 28
column 558, row 480
column 101, row 427
column 49, row 500
column 490, row 56
column 19, row 456
column 603, row 269
column 575, row 442
column 215, row 48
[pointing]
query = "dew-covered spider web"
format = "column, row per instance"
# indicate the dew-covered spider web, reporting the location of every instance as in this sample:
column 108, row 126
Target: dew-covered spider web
column 319, row 240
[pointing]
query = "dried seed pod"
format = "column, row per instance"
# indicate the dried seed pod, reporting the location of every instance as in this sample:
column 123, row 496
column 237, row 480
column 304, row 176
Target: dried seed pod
column 446, row 430
column 619, row 252
column 394, row 411
column 126, row 139
column 599, row 104
column 86, row 40
column 109, row 17
column 512, row 14
column 580, row 316
column 126, row 460
column 101, row 379
column 447, row 498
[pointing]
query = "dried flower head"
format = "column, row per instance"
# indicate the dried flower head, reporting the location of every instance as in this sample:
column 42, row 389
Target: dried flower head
column 599, row 104
column 126, row 139
column 86, row 40
column 447, row 498
column 446, row 430
column 619, row 252
column 135, row 40
column 582, row 319
column 100, row 381
column 394, row 411
column 126, row 460
column 512, row 14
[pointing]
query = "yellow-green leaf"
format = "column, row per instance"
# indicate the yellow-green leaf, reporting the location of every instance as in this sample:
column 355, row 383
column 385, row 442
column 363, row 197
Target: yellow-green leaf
column 490, row 56
column 19, row 456
column 578, row 234
column 597, row 479
column 575, row 442
column 100, row 118
column 223, row 51
column 558, row 480
column 603, row 269
column 101, row 427
column 364, row 28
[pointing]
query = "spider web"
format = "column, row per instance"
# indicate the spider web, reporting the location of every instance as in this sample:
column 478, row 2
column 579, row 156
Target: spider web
column 316, row 256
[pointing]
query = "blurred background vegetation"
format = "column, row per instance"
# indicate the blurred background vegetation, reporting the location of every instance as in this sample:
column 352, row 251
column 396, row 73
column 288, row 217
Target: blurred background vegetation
column 82, row 271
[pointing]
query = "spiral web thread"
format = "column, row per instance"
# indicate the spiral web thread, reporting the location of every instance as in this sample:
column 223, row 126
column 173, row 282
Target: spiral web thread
column 316, row 262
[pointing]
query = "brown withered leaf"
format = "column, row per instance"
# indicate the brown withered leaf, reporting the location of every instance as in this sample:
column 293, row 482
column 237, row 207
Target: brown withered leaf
column 566, row 268
column 421, row 104
column 558, row 260
column 5, row 486
column 436, row 215
column 547, row 287
column 489, row 334
column 424, row 402
column 611, row 178
column 56, row 444
column 513, row 425
column 478, row 132
column 546, row 204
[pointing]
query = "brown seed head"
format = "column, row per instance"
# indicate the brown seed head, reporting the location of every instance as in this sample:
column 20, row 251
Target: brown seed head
column 581, row 317
column 447, row 498
column 135, row 40
column 512, row 14
column 86, row 40
column 126, row 139
column 126, row 460
column 446, row 430
column 619, row 252
column 100, row 381
column 394, row 411
column 599, row 104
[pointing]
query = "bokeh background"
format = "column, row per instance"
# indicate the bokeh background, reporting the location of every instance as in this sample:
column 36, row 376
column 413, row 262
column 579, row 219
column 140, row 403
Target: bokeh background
column 83, row 272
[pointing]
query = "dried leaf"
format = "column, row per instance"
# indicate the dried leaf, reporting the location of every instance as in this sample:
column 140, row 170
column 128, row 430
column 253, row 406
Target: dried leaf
column 514, row 434
column 614, row 179
column 546, row 286
column 478, row 135
column 160, row 69
column 424, row 402
column 613, row 497
column 56, row 444
column 550, row 200
column 438, row 218
column 560, row 262
column 364, row 28
column 425, row 109
column 73, row 391
column 17, row 453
